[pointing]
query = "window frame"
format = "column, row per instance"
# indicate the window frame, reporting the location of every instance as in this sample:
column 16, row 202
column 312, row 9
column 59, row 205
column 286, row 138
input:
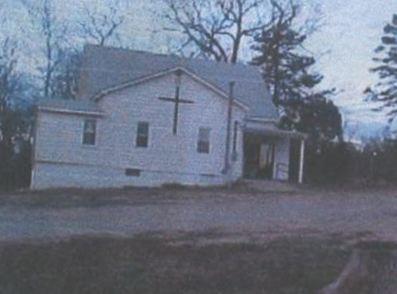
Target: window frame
column 139, row 136
column 95, row 139
column 200, row 142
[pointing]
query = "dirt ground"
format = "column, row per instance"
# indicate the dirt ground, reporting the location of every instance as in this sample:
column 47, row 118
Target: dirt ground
column 240, row 213
column 179, row 240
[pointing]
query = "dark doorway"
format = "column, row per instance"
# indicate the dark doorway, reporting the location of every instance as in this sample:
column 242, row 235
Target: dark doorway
column 294, row 160
column 259, row 155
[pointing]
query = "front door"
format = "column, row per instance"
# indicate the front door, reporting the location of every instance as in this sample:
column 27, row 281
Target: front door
column 266, row 160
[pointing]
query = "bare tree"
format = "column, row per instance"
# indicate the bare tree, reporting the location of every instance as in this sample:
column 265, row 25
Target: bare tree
column 14, row 121
column 102, row 26
column 52, row 43
column 217, row 29
column 65, row 79
column 53, row 32
column 8, row 76
column 9, row 85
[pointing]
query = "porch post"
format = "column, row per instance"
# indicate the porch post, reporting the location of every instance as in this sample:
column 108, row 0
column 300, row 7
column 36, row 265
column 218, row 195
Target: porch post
column 228, row 129
column 301, row 161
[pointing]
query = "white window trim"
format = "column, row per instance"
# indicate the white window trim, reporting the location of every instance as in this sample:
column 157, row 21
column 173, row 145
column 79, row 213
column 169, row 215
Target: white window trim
column 137, row 133
column 83, row 132
column 209, row 140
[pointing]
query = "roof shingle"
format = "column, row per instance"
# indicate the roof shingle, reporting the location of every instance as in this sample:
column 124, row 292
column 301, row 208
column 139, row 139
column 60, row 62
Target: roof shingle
column 107, row 67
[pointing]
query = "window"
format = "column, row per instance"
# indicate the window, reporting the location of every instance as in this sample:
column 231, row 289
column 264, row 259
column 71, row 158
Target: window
column 89, row 132
column 142, row 136
column 203, row 144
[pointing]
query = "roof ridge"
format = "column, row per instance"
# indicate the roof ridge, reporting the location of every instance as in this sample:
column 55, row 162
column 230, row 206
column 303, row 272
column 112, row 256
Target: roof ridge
column 128, row 50
column 165, row 55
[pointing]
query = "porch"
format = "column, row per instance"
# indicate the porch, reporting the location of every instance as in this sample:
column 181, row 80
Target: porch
column 273, row 154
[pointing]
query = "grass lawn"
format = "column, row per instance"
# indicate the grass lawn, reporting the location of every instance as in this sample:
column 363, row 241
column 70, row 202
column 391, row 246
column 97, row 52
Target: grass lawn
column 152, row 265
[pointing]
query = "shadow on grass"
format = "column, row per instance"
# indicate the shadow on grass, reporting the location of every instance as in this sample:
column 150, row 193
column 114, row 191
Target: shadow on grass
column 151, row 265
column 75, row 197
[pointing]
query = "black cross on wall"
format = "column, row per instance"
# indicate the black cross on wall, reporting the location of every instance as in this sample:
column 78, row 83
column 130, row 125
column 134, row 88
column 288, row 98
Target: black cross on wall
column 176, row 100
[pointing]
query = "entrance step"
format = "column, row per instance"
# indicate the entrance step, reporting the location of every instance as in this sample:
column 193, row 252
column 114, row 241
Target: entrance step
column 267, row 186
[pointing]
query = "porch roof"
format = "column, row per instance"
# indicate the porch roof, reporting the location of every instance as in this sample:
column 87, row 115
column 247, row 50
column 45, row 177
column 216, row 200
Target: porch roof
column 274, row 132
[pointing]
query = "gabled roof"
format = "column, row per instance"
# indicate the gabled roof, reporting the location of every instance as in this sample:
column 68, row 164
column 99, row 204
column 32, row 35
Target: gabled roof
column 106, row 67
column 143, row 79
column 69, row 106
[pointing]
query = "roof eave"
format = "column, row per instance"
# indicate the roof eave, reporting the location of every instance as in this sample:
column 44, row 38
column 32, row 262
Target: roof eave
column 277, row 133
column 70, row 111
column 140, row 80
column 263, row 119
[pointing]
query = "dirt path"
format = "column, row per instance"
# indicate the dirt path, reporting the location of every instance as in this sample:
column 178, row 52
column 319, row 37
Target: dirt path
column 237, row 215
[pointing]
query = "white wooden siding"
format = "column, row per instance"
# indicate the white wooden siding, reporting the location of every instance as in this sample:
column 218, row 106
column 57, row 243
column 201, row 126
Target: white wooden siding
column 62, row 160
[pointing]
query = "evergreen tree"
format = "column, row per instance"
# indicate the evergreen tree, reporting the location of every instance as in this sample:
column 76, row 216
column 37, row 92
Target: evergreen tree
column 316, row 115
column 385, row 91
column 287, row 70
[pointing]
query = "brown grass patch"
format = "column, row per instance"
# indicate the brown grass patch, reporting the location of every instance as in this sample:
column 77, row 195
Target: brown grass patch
column 151, row 265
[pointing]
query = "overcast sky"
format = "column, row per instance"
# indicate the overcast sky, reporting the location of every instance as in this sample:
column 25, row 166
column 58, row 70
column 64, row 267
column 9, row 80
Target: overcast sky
column 353, row 30
column 345, row 44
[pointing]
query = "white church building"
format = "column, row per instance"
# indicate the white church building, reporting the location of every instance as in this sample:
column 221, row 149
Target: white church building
column 144, row 119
